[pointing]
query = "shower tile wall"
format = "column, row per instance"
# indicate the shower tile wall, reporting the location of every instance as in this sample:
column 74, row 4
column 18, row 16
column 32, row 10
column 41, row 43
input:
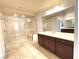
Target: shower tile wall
column 17, row 31
column 18, row 34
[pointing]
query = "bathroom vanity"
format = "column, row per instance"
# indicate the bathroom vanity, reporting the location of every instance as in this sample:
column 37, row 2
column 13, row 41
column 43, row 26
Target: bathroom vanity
column 58, row 43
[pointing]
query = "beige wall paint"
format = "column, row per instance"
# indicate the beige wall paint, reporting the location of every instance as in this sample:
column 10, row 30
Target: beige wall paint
column 69, row 13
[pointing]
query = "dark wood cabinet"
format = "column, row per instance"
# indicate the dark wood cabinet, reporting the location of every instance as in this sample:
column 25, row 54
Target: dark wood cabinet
column 49, row 44
column 40, row 39
column 60, row 47
column 67, row 30
column 64, row 49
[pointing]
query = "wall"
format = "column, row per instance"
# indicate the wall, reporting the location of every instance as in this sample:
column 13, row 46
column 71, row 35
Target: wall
column 39, row 24
column 50, row 23
column 17, row 30
column 2, row 45
column 65, row 4
column 34, row 25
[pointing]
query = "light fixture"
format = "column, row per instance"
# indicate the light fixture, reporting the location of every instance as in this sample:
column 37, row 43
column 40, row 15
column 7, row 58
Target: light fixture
column 15, row 15
column 23, row 16
column 58, row 8
column 0, row 14
column 29, row 20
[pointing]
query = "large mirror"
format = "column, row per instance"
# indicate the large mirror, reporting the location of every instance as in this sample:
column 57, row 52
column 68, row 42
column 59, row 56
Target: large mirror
column 46, row 24
column 67, row 23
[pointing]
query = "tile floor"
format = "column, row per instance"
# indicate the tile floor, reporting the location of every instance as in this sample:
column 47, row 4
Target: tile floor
column 28, row 50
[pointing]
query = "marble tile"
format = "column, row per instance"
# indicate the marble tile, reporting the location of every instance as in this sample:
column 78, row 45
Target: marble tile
column 45, row 52
column 29, row 51
column 23, row 48
column 19, row 43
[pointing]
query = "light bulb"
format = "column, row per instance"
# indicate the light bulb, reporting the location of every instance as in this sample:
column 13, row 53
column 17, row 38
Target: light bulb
column 23, row 16
column 15, row 15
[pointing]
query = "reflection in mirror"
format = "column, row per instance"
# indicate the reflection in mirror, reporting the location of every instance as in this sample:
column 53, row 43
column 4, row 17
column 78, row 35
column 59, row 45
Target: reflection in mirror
column 46, row 24
column 67, row 23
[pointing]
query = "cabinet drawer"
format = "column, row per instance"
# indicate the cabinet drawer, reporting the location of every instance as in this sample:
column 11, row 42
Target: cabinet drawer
column 64, row 41
column 39, row 35
column 45, row 37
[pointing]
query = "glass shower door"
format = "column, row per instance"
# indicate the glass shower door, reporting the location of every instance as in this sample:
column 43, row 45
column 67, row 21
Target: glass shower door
column 14, row 32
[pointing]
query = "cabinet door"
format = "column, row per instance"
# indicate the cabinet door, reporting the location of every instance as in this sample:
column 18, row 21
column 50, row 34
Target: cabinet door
column 52, row 44
column 46, row 43
column 64, row 51
column 49, row 43
column 40, row 40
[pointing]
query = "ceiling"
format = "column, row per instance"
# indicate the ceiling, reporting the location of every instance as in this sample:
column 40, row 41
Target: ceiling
column 26, row 7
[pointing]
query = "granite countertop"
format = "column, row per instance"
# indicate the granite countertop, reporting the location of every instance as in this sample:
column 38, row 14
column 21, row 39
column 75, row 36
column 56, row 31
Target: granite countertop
column 62, row 35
